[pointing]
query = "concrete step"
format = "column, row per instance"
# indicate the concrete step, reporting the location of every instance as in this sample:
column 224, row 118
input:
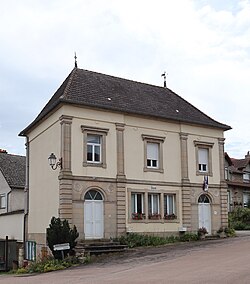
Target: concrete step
column 100, row 247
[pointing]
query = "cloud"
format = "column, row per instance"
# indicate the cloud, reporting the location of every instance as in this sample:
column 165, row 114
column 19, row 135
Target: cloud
column 203, row 46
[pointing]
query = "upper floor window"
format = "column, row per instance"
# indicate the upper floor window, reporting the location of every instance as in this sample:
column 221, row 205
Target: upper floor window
column 94, row 146
column 2, row 201
column 246, row 177
column 203, row 157
column 153, row 153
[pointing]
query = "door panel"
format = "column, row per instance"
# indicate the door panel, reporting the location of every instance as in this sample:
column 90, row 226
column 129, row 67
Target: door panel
column 205, row 216
column 93, row 219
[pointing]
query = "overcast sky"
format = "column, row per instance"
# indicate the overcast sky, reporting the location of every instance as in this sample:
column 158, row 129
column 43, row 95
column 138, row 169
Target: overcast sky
column 203, row 45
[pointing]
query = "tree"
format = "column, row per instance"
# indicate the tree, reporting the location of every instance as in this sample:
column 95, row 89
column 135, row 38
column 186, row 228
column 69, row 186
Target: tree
column 59, row 232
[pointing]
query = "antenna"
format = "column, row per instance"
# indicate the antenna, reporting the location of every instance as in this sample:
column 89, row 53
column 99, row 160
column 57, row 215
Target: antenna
column 164, row 76
column 75, row 60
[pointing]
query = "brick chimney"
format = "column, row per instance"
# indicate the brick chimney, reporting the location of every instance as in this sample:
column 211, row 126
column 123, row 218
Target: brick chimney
column 3, row 151
column 247, row 155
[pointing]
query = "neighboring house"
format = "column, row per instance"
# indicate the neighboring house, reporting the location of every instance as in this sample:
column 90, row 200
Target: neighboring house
column 12, row 183
column 132, row 157
column 237, row 174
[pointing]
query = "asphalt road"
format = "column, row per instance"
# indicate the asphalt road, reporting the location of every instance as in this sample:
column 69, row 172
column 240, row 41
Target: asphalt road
column 216, row 261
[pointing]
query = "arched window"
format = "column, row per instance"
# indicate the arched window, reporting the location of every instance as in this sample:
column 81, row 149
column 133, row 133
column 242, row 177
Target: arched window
column 93, row 195
column 203, row 199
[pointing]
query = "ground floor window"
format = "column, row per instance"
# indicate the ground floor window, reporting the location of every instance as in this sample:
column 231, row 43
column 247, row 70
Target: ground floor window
column 137, row 206
column 152, row 206
column 169, row 206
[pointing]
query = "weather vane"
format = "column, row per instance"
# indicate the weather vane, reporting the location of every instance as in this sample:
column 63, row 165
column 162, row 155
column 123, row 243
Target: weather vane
column 75, row 60
column 164, row 76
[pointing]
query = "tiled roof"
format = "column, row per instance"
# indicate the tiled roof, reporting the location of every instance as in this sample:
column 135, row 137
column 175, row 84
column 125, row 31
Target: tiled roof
column 13, row 169
column 240, row 163
column 96, row 90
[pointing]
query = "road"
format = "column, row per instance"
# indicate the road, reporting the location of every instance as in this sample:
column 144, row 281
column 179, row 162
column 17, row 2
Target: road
column 216, row 261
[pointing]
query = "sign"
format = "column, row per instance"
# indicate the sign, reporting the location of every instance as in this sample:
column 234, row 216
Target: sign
column 61, row 246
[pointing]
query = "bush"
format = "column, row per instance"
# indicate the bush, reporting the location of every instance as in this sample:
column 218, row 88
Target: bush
column 46, row 266
column 136, row 240
column 239, row 219
column 59, row 232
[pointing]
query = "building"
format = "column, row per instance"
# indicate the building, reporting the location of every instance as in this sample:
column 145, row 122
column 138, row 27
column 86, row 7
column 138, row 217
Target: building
column 237, row 174
column 131, row 157
column 12, row 183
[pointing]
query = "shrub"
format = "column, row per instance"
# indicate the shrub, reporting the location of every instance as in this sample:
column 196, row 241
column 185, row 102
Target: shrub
column 59, row 232
column 239, row 219
column 136, row 240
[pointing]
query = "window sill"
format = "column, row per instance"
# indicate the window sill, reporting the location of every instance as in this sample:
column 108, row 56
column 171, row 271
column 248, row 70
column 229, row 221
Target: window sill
column 146, row 169
column 98, row 165
column 147, row 221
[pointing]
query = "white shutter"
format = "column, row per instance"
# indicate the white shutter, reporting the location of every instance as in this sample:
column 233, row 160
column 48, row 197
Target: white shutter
column 203, row 156
column 152, row 151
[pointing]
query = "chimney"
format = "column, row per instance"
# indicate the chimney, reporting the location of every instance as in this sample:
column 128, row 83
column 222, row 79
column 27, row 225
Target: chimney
column 3, row 151
column 247, row 155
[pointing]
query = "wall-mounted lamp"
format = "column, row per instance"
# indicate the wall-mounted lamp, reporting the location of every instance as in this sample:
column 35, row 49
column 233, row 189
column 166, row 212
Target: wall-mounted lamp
column 53, row 163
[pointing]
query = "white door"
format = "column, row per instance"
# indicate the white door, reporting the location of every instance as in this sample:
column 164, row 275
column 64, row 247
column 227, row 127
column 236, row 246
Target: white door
column 93, row 215
column 204, row 213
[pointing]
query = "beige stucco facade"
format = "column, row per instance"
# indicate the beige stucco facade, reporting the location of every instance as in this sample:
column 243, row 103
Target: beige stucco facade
column 62, row 192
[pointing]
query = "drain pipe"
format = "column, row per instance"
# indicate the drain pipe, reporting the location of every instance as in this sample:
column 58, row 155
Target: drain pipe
column 26, row 201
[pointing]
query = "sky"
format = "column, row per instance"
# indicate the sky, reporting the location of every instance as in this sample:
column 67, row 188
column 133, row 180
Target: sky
column 203, row 45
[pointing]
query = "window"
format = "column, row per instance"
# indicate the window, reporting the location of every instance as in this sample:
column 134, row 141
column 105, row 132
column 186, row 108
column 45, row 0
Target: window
column 154, row 206
column 94, row 146
column 169, row 206
column 246, row 199
column 93, row 195
column 203, row 160
column 203, row 157
column 2, row 201
column 137, row 206
column 246, row 177
column 153, row 153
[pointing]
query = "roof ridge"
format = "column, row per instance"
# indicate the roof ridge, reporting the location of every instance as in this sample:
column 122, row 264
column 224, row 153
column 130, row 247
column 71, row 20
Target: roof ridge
column 66, row 90
column 124, row 79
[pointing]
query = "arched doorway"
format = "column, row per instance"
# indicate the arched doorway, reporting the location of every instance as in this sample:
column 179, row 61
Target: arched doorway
column 204, row 208
column 93, row 214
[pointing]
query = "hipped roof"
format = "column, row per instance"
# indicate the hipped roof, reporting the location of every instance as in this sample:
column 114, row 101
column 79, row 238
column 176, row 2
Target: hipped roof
column 105, row 92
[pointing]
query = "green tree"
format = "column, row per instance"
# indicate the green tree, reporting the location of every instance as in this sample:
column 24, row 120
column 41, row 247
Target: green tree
column 59, row 232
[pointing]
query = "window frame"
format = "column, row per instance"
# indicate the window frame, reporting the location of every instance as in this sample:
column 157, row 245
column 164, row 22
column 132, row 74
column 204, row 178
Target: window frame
column 167, row 214
column 102, row 132
column 3, row 201
column 160, row 216
column 208, row 146
column 149, row 139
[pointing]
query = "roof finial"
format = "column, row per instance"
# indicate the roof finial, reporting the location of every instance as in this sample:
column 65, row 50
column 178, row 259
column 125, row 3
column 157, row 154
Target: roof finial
column 75, row 60
column 164, row 76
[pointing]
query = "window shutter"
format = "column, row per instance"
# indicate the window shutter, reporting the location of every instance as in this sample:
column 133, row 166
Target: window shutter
column 152, row 151
column 203, row 156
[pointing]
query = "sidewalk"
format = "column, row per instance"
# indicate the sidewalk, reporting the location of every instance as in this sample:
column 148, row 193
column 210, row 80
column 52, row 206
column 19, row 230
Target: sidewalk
column 242, row 233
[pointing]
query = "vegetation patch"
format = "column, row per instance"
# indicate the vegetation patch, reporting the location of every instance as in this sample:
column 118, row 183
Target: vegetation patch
column 48, row 265
column 239, row 219
column 137, row 240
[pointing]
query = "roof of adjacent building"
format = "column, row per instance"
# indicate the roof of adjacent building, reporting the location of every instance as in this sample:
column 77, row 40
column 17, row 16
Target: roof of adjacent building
column 13, row 169
column 105, row 92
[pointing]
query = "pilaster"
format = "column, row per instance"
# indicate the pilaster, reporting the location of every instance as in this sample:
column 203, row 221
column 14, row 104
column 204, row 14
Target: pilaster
column 65, row 181
column 186, row 200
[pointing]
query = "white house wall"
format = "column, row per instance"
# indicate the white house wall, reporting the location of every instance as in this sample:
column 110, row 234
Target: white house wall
column 15, row 231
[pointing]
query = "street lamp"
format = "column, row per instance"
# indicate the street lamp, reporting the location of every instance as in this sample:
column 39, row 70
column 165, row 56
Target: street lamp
column 53, row 163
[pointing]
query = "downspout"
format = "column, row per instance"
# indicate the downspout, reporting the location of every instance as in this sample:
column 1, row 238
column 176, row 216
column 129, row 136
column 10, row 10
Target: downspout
column 26, row 200
column 7, row 201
